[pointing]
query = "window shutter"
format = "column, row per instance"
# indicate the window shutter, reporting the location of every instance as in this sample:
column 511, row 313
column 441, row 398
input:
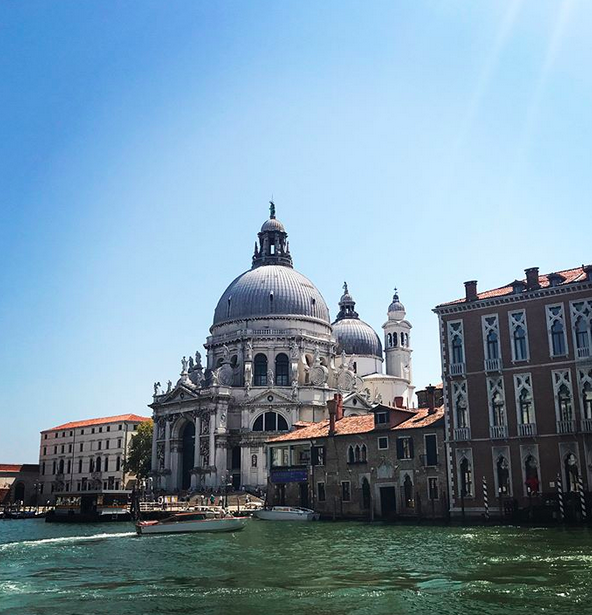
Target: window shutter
column 411, row 448
column 399, row 448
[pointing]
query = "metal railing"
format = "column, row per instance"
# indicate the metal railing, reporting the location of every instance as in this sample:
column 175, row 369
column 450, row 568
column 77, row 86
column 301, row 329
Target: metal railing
column 527, row 429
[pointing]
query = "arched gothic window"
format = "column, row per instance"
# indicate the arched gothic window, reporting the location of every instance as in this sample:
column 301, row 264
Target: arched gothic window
column 402, row 339
column 282, row 370
column 350, row 455
column 357, row 453
column 503, row 476
column 565, row 407
column 61, row 467
column 363, row 453
column 390, row 339
column 260, row 376
column 395, row 340
column 492, row 345
column 98, row 464
column 466, row 478
column 270, row 421
column 558, row 339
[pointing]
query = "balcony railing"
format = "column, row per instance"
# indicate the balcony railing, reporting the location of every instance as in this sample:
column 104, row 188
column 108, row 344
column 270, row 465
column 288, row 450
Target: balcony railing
column 527, row 429
column 583, row 353
column 462, row 433
column 587, row 425
column 457, row 369
column 497, row 432
column 493, row 365
column 566, row 426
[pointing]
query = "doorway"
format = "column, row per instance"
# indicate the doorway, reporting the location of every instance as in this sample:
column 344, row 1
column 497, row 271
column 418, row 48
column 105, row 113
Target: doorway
column 303, row 494
column 388, row 502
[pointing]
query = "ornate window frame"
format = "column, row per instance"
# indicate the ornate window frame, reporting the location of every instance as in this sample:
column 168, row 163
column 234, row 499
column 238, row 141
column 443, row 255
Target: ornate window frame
column 495, row 386
column 460, row 393
column 581, row 308
column 496, row 453
column 562, row 377
column 517, row 318
column 456, row 331
column 523, row 382
column 489, row 324
column 584, row 378
column 556, row 314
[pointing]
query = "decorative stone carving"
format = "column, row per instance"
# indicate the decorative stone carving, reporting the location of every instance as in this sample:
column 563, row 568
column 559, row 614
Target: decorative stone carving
column 198, row 360
column 169, row 386
column 204, row 451
column 160, row 455
column 190, row 363
column 319, row 375
column 184, row 364
column 249, row 350
column 156, row 389
column 160, row 429
column 270, row 374
column 225, row 354
column 205, row 424
column 294, row 389
column 225, row 375
column 294, row 351
column 345, row 380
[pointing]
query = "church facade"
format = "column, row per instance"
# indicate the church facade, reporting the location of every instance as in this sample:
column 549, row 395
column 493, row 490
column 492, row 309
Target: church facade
column 273, row 359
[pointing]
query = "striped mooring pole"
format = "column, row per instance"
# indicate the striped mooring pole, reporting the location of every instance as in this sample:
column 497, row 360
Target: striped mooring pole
column 485, row 499
column 582, row 498
column 560, row 498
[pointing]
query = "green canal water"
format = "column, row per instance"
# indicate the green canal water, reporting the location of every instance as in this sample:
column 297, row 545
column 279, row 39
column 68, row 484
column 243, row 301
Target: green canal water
column 309, row 568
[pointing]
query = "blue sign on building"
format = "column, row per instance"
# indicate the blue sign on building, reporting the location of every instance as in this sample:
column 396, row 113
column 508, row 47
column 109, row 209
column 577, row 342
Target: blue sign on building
column 289, row 476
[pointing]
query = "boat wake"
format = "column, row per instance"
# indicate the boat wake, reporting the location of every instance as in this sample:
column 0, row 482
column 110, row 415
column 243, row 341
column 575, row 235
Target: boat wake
column 63, row 540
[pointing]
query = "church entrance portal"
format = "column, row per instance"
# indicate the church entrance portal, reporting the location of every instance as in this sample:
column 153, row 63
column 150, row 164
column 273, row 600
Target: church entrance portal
column 188, row 454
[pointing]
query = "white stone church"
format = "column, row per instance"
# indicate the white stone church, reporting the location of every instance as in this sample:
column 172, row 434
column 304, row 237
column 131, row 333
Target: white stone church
column 273, row 359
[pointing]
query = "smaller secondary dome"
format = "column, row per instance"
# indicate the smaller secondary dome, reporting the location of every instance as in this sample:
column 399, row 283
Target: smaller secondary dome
column 354, row 336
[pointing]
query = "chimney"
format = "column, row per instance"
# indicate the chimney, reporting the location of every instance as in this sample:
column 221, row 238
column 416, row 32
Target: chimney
column 532, row 278
column 399, row 402
column 471, row 290
column 335, row 407
column 588, row 271
column 431, row 393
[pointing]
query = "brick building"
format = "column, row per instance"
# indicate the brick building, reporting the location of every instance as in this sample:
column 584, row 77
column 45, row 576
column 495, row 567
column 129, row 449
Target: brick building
column 386, row 464
column 517, row 370
column 18, row 484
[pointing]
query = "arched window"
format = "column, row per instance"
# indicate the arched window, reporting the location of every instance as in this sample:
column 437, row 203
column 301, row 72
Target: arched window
column 260, row 370
column 408, row 491
column 587, row 400
column 492, row 345
column 106, row 466
column 395, row 340
column 497, row 406
column 61, row 467
column 282, row 370
column 457, row 350
column 390, row 339
column 91, row 465
column 581, row 333
column 407, row 340
column 363, row 453
column 503, row 476
column 98, row 464
column 571, row 473
column 520, row 353
column 558, row 338
column 402, row 339
column 565, row 407
column 525, row 401
column 118, row 464
column 461, row 414
column 80, row 466
column 532, row 474
column 466, row 478
column 357, row 453
column 270, row 421
column 350, row 455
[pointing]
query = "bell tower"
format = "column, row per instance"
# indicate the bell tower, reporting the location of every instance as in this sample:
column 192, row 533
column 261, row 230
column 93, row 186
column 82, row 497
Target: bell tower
column 397, row 342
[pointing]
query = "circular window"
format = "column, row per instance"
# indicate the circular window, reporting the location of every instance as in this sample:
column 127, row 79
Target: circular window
column 270, row 398
column 355, row 402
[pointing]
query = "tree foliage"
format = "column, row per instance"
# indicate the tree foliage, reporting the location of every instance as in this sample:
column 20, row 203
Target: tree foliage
column 139, row 456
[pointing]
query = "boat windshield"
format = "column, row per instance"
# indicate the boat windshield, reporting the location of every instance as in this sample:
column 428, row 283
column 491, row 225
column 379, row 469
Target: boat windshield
column 198, row 516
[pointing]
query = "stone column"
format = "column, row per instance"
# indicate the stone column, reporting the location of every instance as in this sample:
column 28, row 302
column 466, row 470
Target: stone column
column 154, row 464
column 167, row 452
column 194, row 477
column 212, row 439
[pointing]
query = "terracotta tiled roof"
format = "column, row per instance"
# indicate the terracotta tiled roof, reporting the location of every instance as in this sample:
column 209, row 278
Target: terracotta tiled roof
column 10, row 467
column 422, row 418
column 570, row 275
column 352, row 425
column 348, row 425
column 120, row 418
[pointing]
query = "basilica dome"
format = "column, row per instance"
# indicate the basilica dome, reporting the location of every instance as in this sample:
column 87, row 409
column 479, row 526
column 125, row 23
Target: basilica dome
column 271, row 287
column 271, row 290
column 354, row 336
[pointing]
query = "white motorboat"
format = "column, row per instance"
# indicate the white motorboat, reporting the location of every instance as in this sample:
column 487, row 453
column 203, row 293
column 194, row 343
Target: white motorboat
column 198, row 521
column 286, row 513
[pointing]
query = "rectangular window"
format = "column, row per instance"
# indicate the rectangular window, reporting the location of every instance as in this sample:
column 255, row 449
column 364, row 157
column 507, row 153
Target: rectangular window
column 99, row 443
column 119, row 443
column 69, row 448
column 81, row 446
column 106, row 468
column 383, row 443
column 321, row 492
column 55, row 450
column 53, row 468
column 80, row 466
column 120, row 427
column 45, row 436
column 345, row 491
column 431, row 447
column 108, row 427
column 519, row 335
column 43, row 468
column 106, row 443
column 69, row 466
column 381, row 418
column 82, row 432
column 100, row 430
column 433, row 489
column 45, row 450
column 404, row 448
column 93, row 430
column 318, row 455
column 62, row 449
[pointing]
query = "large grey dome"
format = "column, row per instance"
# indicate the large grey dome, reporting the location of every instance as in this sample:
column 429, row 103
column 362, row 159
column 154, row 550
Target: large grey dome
column 354, row 336
column 271, row 290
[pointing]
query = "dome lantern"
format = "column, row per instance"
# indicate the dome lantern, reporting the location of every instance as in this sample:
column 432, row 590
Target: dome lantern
column 273, row 248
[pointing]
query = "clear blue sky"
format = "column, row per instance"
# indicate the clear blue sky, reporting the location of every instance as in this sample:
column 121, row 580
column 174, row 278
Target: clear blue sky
column 417, row 144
